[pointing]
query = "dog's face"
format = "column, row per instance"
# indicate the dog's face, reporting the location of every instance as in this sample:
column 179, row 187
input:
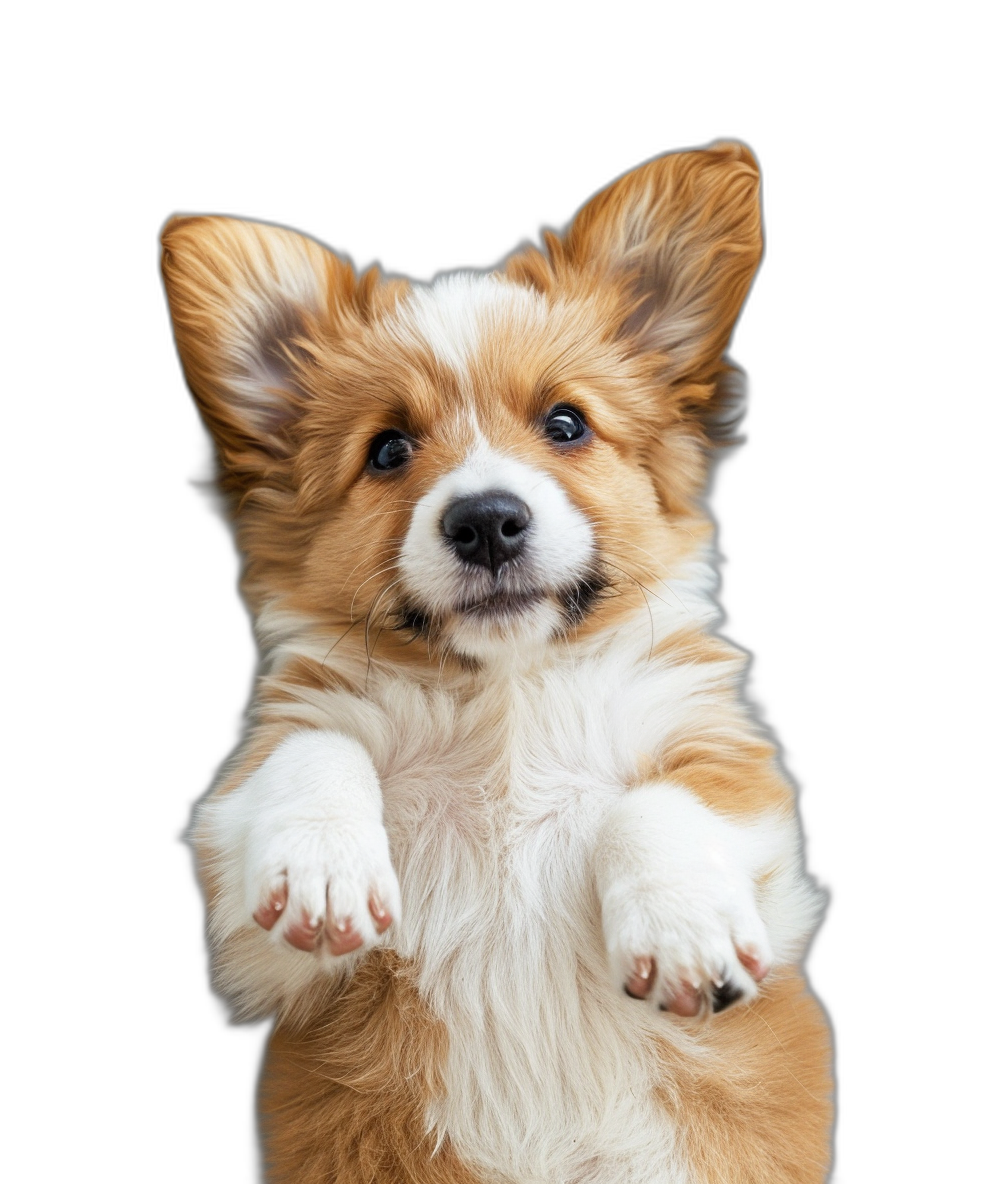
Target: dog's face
column 490, row 462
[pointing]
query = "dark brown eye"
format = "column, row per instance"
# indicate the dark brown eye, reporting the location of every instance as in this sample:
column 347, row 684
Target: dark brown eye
column 389, row 450
column 565, row 424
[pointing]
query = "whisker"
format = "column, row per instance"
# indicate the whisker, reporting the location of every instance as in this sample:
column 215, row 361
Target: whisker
column 647, row 604
column 354, row 568
column 384, row 592
column 387, row 567
column 339, row 639
column 367, row 627
column 646, row 589
column 615, row 541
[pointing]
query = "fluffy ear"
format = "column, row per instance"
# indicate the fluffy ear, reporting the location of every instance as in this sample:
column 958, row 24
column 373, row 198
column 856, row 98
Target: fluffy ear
column 682, row 235
column 241, row 296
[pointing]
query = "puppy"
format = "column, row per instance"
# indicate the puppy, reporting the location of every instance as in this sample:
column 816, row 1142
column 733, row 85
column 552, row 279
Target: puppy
column 502, row 850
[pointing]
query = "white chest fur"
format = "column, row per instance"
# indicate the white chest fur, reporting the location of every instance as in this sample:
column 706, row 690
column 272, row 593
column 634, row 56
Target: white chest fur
column 493, row 807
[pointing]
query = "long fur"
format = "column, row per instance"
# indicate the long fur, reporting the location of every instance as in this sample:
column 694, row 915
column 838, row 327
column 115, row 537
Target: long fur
column 505, row 853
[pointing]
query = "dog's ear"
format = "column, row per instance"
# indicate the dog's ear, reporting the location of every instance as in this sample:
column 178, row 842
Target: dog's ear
column 682, row 236
column 243, row 297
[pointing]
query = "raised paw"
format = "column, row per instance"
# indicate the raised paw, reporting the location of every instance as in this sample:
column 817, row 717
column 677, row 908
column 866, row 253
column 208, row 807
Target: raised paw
column 325, row 887
column 689, row 948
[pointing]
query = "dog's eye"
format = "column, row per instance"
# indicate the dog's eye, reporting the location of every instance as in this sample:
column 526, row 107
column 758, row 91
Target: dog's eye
column 389, row 450
column 564, row 425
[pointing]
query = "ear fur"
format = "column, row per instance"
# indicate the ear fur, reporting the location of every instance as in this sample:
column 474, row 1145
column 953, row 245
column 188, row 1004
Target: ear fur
column 675, row 245
column 241, row 296
column 682, row 236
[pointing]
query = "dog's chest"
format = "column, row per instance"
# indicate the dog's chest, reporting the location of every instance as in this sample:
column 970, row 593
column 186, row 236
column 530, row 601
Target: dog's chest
column 505, row 785
column 493, row 806
column 493, row 799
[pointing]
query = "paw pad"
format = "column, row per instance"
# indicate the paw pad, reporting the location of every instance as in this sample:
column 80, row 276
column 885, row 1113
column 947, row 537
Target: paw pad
column 724, row 995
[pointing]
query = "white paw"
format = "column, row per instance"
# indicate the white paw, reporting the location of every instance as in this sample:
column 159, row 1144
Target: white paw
column 310, row 852
column 679, row 913
column 324, row 884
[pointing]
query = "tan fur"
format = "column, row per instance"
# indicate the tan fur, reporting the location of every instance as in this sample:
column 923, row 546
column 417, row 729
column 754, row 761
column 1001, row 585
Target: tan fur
column 755, row 1102
column 753, row 1099
column 725, row 762
column 343, row 1098
column 642, row 292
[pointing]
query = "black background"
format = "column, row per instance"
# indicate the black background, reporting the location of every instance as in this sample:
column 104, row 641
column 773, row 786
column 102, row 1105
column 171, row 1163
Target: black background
column 793, row 506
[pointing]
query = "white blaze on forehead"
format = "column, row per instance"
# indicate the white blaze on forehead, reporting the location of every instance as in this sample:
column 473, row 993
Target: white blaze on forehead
column 456, row 314
column 560, row 542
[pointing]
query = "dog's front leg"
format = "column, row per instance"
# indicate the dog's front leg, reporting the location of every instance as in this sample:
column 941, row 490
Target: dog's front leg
column 296, row 861
column 697, row 906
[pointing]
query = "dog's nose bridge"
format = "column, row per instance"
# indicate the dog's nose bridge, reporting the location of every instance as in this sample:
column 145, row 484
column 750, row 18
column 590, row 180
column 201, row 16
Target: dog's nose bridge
column 487, row 470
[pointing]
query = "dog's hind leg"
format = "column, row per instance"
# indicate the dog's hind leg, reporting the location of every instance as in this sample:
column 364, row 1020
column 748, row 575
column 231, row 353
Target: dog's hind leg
column 343, row 1096
column 754, row 1103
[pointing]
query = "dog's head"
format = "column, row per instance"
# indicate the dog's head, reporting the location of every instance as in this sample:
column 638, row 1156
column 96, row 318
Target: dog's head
column 486, row 462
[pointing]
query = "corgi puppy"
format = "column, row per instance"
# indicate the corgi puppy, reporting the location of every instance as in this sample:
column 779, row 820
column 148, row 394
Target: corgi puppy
column 502, row 850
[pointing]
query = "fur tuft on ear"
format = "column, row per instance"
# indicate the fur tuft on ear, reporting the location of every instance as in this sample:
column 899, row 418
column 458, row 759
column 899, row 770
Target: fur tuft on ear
column 684, row 232
column 682, row 237
column 241, row 296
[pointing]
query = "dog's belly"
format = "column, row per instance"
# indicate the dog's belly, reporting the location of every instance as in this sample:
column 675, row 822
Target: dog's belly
column 493, row 808
column 550, row 1068
column 549, row 1073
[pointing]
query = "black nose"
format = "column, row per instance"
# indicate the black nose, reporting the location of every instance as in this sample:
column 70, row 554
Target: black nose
column 487, row 529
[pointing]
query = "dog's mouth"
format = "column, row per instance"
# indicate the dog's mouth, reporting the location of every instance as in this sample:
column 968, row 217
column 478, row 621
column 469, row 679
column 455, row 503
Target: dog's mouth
column 506, row 605
column 502, row 602
column 499, row 605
